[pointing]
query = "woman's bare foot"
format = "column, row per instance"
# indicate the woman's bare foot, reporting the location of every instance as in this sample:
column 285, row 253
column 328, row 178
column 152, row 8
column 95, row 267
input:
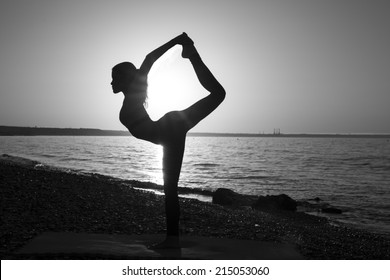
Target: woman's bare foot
column 170, row 242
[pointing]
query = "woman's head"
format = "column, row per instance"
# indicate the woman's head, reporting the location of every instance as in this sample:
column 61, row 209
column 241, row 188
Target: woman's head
column 127, row 79
column 122, row 76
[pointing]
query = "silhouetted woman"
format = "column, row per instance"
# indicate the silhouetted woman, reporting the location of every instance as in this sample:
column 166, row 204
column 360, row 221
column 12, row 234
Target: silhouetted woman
column 169, row 131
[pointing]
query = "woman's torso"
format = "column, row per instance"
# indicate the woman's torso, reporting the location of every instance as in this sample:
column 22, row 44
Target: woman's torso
column 135, row 118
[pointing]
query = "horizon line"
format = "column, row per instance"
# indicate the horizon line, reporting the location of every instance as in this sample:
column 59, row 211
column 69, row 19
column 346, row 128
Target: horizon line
column 6, row 129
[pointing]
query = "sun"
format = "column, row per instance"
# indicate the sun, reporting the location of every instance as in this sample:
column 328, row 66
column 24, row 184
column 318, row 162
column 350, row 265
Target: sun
column 172, row 85
column 164, row 94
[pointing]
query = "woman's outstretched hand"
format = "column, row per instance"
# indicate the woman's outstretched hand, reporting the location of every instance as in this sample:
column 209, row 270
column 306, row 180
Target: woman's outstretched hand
column 183, row 39
column 151, row 58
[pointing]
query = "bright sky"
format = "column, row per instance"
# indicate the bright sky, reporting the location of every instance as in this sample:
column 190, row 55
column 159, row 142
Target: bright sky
column 303, row 66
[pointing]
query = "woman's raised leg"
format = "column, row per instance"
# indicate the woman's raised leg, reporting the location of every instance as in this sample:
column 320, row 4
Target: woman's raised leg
column 198, row 111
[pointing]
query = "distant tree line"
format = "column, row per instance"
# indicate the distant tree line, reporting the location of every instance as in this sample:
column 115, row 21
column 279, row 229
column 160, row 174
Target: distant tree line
column 32, row 131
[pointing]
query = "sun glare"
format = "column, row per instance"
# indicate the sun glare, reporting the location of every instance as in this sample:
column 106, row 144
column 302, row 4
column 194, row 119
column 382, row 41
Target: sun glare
column 172, row 85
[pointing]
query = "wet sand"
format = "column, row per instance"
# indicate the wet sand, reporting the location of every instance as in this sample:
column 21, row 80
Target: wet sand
column 36, row 200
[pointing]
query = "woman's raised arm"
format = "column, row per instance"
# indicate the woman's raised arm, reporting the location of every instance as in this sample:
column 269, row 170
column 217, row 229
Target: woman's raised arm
column 151, row 58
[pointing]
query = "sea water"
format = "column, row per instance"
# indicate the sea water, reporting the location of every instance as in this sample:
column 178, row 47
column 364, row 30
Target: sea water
column 349, row 173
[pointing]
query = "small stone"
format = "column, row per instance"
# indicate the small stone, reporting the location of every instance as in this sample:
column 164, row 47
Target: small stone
column 331, row 210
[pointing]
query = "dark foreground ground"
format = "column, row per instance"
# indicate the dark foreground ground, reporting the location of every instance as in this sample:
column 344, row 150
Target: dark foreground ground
column 37, row 200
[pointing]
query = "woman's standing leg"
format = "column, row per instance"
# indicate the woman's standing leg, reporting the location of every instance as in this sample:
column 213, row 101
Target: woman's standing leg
column 172, row 162
column 173, row 152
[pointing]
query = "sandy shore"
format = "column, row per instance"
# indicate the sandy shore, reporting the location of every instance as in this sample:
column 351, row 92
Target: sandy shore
column 36, row 200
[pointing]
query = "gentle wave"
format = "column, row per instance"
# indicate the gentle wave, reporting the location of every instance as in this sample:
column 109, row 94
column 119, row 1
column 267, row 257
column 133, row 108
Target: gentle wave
column 206, row 164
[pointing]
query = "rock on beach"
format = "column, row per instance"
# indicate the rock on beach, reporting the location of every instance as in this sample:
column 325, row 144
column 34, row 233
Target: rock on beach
column 227, row 197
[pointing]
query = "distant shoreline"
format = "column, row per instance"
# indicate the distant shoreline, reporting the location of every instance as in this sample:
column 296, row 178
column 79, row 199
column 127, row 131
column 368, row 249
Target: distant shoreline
column 48, row 131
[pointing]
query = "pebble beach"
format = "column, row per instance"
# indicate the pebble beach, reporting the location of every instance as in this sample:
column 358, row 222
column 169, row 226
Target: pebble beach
column 36, row 199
